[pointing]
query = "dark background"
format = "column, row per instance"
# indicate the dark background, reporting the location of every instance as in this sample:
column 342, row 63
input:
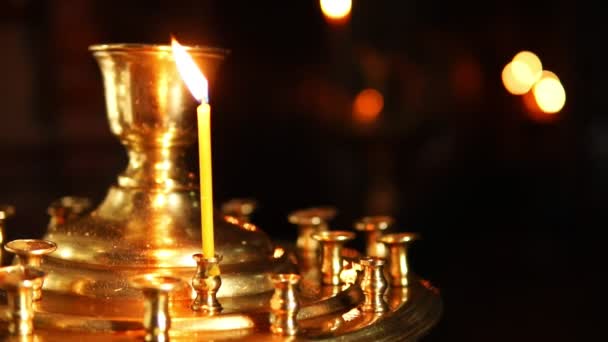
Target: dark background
column 510, row 207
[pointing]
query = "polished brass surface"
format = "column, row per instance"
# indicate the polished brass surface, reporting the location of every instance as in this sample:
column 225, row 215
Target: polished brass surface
column 149, row 220
column 6, row 211
column 284, row 304
column 372, row 227
column 19, row 282
column 156, row 289
column 398, row 260
column 68, row 208
column 331, row 256
column 310, row 221
column 149, row 223
column 206, row 282
column 373, row 284
column 240, row 208
column 30, row 252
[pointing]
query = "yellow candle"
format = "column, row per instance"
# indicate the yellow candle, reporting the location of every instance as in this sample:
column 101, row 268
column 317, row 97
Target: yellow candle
column 204, row 152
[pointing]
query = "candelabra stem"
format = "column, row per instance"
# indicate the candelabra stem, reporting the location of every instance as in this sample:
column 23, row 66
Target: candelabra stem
column 398, row 257
column 373, row 285
column 18, row 282
column 30, row 252
column 284, row 305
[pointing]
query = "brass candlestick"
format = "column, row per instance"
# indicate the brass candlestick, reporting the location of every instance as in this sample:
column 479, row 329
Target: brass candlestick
column 310, row 221
column 156, row 289
column 373, row 226
column 6, row 211
column 398, row 262
column 206, row 282
column 30, row 252
column 373, row 285
column 331, row 257
column 284, row 304
column 19, row 282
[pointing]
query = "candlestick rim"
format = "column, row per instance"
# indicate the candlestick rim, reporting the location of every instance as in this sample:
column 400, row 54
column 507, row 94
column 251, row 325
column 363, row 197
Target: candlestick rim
column 208, row 51
column 200, row 257
column 30, row 247
column 398, row 238
column 374, row 223
column 334, row 236
column 290, row 278
column 372, row 261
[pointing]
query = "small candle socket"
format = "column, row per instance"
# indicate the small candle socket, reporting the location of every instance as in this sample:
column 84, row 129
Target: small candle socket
column 372, row 227
column 331, row 256
column 30, row 252
column 206, row 282
column 67, row 208
column 373, row 285
column 18, row 282
column 284, row 305
column 310, row 221
column 6, row 211
column 156, row 290
column 240, row 208
column 398, row 267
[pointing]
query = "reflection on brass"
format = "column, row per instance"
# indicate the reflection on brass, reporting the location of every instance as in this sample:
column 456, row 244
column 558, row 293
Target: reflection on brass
column 397, row 296
column 284, row 304
column 18, row 282
column 6, row 211
column 241, row 208
column 156, row 289
column 310, row 221
column 206, row 282
column 331, row 257
column 373, row 285
column 398, row 265
column 30, row 252
column 67, row 208
column 373, row 226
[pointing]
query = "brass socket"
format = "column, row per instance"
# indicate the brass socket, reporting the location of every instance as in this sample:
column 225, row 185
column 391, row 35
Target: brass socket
column 284, row 304
column 373, row 285
column 331, row 257
column 30, row 252
column 206, row 282
column 372, row 227
column 156, row 289
column 18, row 282
column 67, row 208
column 6, row 211
column 240, row 208
column 398, row 260
column 309, row 222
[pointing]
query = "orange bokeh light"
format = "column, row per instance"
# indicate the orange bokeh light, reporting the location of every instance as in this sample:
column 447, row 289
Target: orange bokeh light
column 336, row 9
column 367, row 105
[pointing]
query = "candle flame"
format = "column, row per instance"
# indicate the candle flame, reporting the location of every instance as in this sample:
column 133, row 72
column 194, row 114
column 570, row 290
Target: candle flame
column 190, row 73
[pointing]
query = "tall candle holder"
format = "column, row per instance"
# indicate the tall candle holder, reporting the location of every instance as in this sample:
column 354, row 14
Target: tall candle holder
column 149, row 223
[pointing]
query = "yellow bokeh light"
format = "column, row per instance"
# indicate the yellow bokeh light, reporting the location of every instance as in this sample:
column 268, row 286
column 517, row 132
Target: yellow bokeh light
column 533, row 66
column 336, row 9
column 549, row 94
column 367, row 105
column 516, row 85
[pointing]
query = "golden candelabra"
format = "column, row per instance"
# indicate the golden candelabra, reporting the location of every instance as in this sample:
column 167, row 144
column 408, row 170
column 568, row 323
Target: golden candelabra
column 131, row 269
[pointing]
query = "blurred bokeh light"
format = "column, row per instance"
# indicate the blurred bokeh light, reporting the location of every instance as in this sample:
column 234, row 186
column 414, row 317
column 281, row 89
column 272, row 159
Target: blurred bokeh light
column 336, row 9
column 549, row 93
column 367, row 105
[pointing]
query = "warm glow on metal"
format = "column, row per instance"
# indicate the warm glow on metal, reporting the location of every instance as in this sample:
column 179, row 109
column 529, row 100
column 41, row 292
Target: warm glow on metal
column 190, row 73
column 367, row 105
column 549, row 94
column 278, row 252
column 336, row 9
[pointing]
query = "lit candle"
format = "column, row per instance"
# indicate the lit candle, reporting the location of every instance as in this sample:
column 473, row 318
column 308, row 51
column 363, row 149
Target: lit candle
column 198, row 86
